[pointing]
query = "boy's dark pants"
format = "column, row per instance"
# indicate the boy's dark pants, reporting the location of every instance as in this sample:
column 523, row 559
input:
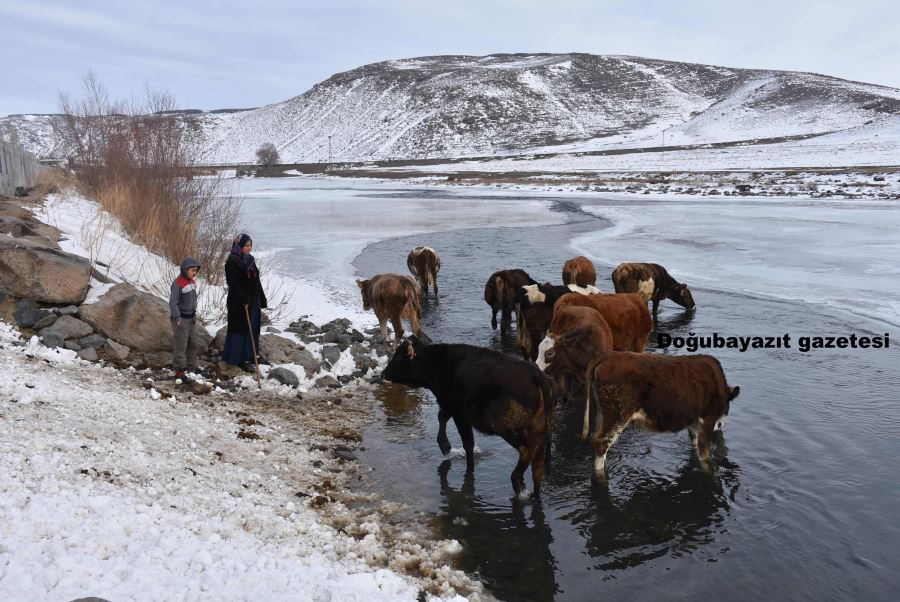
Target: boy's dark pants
column 184, row 343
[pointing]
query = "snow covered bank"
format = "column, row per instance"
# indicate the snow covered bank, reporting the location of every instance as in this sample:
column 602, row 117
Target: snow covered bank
column 108, row 492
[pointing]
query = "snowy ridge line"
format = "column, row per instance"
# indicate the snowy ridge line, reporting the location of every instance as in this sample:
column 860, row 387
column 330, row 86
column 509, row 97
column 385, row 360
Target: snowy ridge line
column 463, row 106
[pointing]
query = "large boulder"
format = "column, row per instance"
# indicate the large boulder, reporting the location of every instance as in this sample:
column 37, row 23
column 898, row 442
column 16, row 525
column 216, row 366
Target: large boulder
column 32, row 270
column 131, row 317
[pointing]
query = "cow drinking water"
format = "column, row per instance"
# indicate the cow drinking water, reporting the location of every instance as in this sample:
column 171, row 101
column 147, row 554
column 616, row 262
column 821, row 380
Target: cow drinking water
column 424, row 264
column 393, row 297
column 483, row 390
column 635, row 278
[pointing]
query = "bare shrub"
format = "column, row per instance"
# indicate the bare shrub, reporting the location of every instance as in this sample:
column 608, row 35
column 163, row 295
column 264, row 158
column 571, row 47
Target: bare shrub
column 134, row 158
column 267, row 154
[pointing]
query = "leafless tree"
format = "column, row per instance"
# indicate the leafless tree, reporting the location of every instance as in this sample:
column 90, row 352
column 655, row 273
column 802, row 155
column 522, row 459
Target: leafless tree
column 267, row 154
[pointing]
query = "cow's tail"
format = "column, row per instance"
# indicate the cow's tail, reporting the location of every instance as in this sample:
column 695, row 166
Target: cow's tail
column 588, row 399
column 502, row 293
column 549, row 403
column 413, row 308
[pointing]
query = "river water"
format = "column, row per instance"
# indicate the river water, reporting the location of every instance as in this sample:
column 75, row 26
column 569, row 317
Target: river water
column 803, row 494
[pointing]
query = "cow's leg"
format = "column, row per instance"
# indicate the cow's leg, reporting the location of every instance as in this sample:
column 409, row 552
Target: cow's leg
column 494, row 309
column 606, row 436
column 655, row 306
column 505, row 317
column 540, row 453
column 693, row 429
column 704, row 438
column 468, row 441
column 382, row 322
column 398, row 329
column 443, row 441
column 518, row 473
column 434, row 282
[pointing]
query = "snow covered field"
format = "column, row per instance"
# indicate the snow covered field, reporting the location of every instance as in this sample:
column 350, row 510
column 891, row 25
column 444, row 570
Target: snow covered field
column 105, row 491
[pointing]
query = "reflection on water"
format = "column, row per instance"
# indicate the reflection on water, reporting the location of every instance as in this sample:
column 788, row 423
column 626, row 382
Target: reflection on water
column 797, row 505
column 501, row 542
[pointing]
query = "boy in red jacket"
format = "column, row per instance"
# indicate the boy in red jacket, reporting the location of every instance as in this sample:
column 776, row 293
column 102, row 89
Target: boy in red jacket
column 183, row 308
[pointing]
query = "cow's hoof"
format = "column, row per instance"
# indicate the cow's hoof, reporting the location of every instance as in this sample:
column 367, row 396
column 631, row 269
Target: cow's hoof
column 445, row 446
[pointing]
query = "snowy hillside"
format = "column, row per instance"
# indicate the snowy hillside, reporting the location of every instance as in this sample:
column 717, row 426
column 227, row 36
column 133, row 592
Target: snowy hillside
column 465, row 106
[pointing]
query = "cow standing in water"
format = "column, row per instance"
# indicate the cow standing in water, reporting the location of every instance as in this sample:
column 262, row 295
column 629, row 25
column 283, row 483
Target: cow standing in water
column 393, row 297
column 579, row 271
column 626, row 314
column 484, row 390
column 661, row 393
column 424, row 264
column 500, row 293
column 635, row 278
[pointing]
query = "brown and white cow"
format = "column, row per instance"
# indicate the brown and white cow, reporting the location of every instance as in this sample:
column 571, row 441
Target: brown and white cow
column 500, row 293
column 534, row 311
column 575, row 337
column 424, row 264
column 579, row 271
column 626, row 314
column 661, row 393
column 393, row 297
column 637, row 278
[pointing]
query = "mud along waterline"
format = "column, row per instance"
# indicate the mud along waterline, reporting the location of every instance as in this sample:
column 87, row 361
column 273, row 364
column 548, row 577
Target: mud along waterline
column 799, row 504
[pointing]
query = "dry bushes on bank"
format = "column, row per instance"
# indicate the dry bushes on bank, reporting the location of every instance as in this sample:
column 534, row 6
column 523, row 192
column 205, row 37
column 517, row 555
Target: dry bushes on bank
column 135, row 160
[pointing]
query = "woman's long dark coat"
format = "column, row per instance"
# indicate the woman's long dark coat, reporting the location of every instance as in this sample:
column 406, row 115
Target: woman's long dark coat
column 242, row 290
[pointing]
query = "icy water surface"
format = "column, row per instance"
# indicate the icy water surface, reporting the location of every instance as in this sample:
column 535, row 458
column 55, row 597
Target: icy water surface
column 802, row 499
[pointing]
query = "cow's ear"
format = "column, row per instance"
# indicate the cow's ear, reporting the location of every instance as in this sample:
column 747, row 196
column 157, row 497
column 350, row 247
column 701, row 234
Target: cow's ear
column 735, row 391
column 571, row 336
column 411, row 350
column 360, row 283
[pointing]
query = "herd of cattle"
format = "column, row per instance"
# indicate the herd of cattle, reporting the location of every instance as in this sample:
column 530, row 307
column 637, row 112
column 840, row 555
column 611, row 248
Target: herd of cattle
column 567, row 333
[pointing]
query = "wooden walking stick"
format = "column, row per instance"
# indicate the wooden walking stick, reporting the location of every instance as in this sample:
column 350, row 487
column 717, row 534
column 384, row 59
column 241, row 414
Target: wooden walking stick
column 253, row 345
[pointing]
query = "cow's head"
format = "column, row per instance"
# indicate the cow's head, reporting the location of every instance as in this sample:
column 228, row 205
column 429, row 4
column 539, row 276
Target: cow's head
column 406, row 366
column 365, row 287
column 682, row 296
column 720, row 421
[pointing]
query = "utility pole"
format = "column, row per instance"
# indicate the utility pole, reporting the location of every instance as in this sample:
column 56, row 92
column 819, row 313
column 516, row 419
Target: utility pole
column 329, row 149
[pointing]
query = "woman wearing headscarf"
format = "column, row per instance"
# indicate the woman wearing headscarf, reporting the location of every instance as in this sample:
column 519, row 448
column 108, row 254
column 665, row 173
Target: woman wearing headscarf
column 245, row 296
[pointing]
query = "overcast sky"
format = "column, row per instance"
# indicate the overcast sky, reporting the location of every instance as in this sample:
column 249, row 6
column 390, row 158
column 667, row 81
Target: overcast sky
column 243, row 54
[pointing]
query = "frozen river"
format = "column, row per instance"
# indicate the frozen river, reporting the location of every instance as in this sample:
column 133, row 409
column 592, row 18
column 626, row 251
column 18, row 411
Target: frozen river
column 801, row 502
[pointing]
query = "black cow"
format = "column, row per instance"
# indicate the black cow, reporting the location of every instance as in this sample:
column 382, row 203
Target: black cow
column 486, row 390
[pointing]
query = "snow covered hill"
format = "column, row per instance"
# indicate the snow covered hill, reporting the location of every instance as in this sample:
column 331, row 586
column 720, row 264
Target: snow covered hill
column 511, row 104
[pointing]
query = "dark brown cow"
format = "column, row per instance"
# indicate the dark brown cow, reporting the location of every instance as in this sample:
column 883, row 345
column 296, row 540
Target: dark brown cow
column 485, row 390
column 626, row 314
column 661, row 393
column 424, row 264
column 534, row 311
column 576, row 336
column 579, row 270
column 634, row 277
column 393, row 297
column 500, row 294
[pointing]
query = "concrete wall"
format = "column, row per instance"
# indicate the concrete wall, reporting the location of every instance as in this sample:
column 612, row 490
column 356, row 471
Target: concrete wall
column 17, row 168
